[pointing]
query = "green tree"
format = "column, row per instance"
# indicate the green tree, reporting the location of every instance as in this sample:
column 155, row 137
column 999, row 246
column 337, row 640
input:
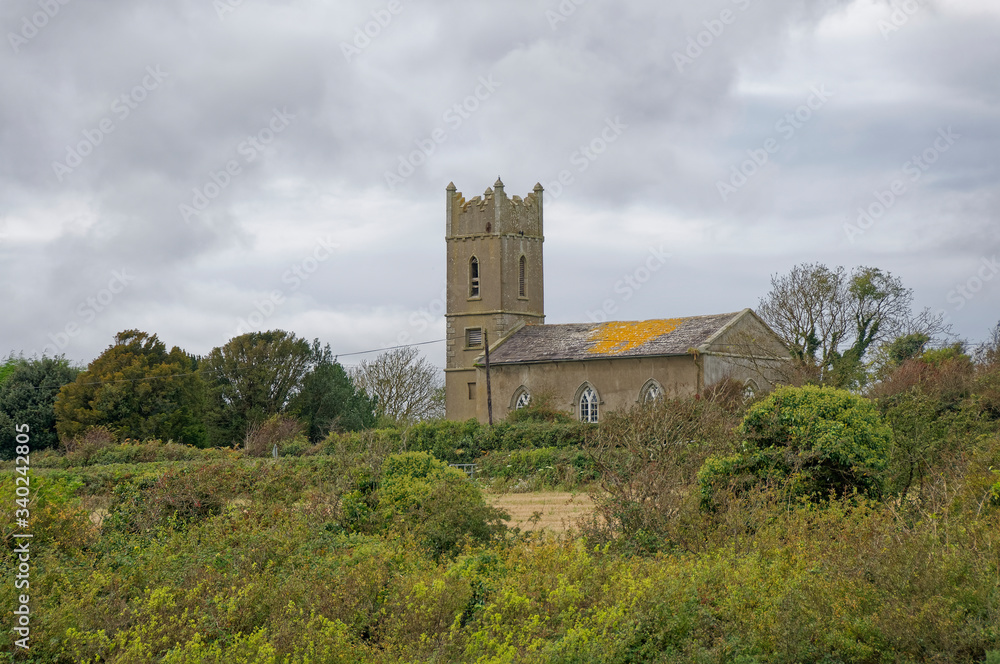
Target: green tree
column 254, row 376
column 137, row 389
column 28, row 390
column 821, row 439
column 8, row 367
column 329, row 400
column 878, row 308
column 905, row 347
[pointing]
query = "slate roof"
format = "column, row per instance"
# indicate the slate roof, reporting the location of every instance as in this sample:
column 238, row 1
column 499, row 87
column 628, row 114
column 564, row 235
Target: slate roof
column 592, row 341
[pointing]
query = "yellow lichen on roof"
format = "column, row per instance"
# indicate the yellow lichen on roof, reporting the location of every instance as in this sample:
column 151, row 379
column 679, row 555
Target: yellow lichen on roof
column 620, row 337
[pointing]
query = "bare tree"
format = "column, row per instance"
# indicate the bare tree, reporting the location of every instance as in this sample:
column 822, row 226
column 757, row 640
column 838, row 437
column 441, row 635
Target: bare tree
column 830, row 319
column 807, row 308
column 404, row 385
column 988, row 352
column 933, row 325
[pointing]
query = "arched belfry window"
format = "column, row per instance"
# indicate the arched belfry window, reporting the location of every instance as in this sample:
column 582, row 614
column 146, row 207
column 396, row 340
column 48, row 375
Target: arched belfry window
column 588, row 403
column 521, row 290
column 651, row 392
column 474, row 277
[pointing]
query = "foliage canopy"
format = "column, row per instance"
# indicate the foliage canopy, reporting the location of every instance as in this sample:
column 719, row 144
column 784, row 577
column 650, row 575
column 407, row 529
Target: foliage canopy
column 821, row 439
column 137, row 389
column 28, row 390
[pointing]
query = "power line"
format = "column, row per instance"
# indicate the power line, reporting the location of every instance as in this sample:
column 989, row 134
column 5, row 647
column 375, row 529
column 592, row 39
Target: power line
column 376, row 350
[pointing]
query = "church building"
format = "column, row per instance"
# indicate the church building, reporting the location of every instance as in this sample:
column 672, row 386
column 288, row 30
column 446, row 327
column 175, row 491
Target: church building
column 495, row 296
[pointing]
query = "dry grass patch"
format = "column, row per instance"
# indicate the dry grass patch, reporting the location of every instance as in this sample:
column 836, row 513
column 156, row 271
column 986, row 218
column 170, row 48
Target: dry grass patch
column 555, row 511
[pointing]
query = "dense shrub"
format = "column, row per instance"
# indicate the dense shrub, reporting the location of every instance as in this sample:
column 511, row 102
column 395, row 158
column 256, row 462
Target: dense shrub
column 273, row 579
column 539, row 410
column 987, row 389
column 820, row 439
column 178, row 496
column 928, row 436
column 465, row 442
column 526, row 435
column 946, row 374
column 94, row 449
column 539, row 468
column 453, row 442
column 935, row 403
column 437, row 505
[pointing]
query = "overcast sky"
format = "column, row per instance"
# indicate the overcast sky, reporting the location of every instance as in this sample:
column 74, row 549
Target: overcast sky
column 200, row 169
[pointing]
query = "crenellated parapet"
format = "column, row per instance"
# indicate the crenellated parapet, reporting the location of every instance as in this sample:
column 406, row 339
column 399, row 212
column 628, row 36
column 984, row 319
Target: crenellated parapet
column 494, row 213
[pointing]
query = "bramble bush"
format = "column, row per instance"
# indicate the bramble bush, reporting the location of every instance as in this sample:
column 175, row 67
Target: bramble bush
column 647, row 459
column 937, row 405
column 278, row 431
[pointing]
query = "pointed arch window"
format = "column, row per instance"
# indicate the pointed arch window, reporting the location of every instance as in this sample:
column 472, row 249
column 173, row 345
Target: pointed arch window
column 522, row 398
column 521, row 288
column 651, row 392
column 588, row 403
column 474, row 277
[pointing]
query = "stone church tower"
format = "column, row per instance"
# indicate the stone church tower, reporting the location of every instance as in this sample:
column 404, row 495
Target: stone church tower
column 494, row 282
